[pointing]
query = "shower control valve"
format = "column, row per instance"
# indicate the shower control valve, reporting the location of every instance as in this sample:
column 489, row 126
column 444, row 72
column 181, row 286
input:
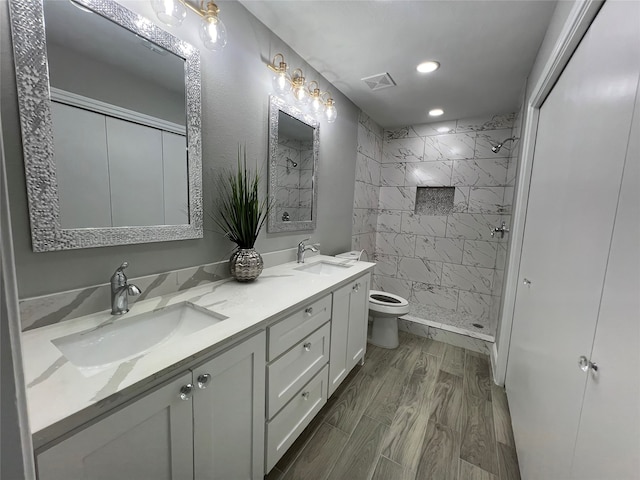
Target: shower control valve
column 502, row 229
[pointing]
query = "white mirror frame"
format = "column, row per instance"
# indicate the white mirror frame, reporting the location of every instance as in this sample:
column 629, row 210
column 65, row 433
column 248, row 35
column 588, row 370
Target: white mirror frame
column 32, row 78
column 274, row 224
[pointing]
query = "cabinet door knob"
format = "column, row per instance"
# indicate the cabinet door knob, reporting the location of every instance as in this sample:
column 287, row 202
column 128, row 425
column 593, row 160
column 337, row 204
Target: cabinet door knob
column 356, row 287
column 308, row 310
column 307, row 346
column 203, row 380
column 585, row 364
column 186, row 391
column 526, row 282
column 305, row 395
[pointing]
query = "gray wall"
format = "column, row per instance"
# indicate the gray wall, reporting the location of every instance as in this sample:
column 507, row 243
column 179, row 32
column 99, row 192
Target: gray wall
column 235, row 88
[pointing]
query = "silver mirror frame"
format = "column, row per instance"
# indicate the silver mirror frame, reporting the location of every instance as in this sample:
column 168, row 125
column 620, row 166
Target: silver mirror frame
column 32, row 78
column 275, row 225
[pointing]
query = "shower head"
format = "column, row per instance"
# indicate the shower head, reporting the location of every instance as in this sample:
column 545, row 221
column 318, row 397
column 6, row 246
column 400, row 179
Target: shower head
column 294, row 164
column 496, row 148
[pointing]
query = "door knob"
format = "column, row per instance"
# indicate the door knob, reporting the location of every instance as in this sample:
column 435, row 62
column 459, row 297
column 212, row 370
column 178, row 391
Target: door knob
column 526, row 282
column 203, row 380
column 185, row 392
column 585, row 364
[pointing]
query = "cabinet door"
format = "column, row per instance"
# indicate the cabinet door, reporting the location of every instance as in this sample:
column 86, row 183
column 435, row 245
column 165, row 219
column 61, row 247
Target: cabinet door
column 358, row 313
column 338, row 364
column 228, row 413
column 151, row 439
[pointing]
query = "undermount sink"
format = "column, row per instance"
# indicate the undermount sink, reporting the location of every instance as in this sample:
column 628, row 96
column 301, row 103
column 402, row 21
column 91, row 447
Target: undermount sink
column 96, row 349
column 323, row 268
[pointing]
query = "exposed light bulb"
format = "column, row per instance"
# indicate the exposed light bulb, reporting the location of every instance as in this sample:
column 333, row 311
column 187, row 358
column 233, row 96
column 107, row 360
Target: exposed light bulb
column 317, row 105
column 170, row 12
column 281, row 83
column 213, row 33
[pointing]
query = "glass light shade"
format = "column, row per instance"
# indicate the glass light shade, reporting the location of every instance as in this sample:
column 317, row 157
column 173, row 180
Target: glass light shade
column 317, row 105
column 331, row 113
column 281, row 83
column 170, row 12
column 213, row 33
column 300, row 94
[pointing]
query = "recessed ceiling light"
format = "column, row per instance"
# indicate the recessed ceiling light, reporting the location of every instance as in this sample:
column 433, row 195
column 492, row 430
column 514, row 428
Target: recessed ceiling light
column 426, row 67
column 436, row 112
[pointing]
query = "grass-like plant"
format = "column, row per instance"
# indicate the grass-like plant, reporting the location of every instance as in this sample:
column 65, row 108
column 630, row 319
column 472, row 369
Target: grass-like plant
column 240, row 213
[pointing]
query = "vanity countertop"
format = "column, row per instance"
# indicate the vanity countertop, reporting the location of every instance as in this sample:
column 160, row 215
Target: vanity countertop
column 61, row 397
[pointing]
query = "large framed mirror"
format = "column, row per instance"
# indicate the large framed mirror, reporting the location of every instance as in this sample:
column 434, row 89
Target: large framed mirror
column 294, row 144
column 110, row 117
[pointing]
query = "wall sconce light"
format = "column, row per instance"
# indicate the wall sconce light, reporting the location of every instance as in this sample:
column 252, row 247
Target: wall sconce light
column 212, row 31
column 303, row 93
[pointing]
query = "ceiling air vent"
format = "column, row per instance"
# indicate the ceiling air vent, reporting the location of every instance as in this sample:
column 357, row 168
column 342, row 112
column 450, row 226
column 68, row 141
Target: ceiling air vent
column 379, row 81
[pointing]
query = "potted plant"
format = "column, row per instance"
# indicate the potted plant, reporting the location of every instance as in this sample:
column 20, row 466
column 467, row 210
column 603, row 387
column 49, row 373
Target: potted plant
column 240, row 214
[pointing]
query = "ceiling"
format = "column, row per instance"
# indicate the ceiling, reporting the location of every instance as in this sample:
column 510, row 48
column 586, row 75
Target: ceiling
column 486, row 50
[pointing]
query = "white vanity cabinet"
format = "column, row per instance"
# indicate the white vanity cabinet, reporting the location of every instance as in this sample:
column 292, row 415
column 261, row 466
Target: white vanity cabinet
column 349, row 317
column 215, row 432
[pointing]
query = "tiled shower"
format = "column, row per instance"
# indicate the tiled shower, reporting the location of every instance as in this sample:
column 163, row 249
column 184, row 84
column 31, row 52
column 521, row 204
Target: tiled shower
column 426, row 199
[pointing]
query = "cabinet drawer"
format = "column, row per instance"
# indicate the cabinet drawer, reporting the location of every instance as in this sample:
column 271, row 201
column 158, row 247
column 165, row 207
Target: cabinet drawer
column 286, row 333
column 285, row 427
column 292, row 370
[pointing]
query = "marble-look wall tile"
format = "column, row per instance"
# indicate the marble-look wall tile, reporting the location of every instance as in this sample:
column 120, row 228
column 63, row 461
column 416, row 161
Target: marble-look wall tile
column 392, row 285
column 498, row 280
column 438, row 249
column 436, row 128
column 501, row 255
column 486, row 200
column 487, row 122
column 400, row 132
column 414, row 328
column 434, row 295
column 459, row 340
column 433, row 226
column 511, row 172
column 472, row 226
column 461, row 199
column 486, row 140
column 476, row 304
column 368, row 142
column 386, row 264
column 397, row 198
column 507, row 201
column 369, row 124
column 401, row 244
column 431, row 174
column 486, row 172
column 403, row 150
column 390, row 221
column 392, row 175
column 449, row 147
column 366, row 242
column 419, row 270
column 367, row 170
column 480, row 253
column 464, row 277
column 365, row 195
column 364, row 220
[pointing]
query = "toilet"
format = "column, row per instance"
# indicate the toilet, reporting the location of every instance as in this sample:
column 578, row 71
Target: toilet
column 384, row 310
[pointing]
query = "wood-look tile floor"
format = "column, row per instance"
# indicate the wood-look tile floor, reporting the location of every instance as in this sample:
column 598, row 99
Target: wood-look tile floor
column 425, row 410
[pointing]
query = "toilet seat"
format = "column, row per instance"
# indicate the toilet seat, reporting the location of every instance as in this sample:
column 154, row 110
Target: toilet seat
column 387, row 303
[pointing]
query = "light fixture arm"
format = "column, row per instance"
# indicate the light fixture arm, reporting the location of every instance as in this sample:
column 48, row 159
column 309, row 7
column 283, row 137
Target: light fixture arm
column 210, row 9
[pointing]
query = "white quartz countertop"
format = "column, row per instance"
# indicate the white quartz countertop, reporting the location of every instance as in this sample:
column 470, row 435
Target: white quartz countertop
column 61, row 396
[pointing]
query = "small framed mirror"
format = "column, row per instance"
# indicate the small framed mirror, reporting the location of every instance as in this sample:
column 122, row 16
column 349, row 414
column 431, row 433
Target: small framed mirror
column 294, row 143
column 110, row 118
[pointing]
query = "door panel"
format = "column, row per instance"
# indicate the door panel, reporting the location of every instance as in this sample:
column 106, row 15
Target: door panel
column 580, row 149
column 611, row 405
column 358, row 319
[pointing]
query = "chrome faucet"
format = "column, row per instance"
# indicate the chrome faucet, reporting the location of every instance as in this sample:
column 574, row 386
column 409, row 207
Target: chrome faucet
column 120, row 291
column 502, row 229
column 302, row 248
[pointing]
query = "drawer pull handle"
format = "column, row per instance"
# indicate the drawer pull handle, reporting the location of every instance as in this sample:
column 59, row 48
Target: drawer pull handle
column 307, row 346
column 203, row 380
column 305, row 395
column 185, row 392
column 356, row 287
column 308, row 311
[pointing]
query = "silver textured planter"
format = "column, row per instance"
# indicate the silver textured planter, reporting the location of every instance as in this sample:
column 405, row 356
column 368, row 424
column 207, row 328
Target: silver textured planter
column 245, row 264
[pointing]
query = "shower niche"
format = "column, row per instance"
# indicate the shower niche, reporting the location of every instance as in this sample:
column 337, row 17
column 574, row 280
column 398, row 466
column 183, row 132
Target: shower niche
column 434, row 200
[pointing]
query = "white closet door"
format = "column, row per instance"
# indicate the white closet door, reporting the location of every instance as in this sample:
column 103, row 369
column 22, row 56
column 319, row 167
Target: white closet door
column 82, row 169
column 135, row 171
column 609, row 436
column 580, row 149
column 176, row 181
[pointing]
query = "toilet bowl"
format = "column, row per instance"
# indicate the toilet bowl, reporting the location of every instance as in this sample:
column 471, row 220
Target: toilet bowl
column 384, row 310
